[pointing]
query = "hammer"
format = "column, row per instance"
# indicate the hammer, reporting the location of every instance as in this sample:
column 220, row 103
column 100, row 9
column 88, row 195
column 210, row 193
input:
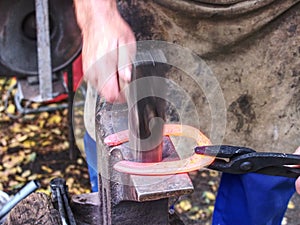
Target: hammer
column 146, row 110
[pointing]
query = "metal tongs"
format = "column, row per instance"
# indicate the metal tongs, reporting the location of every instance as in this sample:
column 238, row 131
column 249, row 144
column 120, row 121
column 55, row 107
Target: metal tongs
column 240, row 160
column 59, row 191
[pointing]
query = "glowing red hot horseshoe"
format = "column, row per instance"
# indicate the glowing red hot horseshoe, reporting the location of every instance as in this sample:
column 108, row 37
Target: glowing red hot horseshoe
column 195, row 162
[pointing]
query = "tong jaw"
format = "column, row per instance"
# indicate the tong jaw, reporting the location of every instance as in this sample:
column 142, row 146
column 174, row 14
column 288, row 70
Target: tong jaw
column 222, row 151
column 240, row 160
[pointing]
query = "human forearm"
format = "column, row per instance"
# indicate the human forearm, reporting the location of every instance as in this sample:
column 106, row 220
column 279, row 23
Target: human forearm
column 87, row 11
column 298, row 180
column 108, row 46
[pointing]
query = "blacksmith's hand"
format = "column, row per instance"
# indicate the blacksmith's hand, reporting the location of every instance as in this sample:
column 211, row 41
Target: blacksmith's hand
column 298, row 180
column 108, row 49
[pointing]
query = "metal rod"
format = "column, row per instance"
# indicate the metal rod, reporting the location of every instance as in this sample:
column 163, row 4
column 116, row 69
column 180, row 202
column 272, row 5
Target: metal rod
column 61, row 208
column 67, row 206
column 72, row 151
column 43, row 49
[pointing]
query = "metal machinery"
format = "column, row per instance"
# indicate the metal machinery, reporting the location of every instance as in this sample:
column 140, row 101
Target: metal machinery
column 38, row 42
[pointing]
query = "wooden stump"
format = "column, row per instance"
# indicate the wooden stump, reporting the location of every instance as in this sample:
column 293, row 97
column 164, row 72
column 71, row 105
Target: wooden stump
column 37, row 208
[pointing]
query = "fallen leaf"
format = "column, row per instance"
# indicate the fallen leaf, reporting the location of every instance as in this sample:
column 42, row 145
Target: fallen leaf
column 3, row 177
column 211, row 208
column 213, row 173
column 76, row 172
column 55, row 119
column 29, row 117
column 65, row 112
column 46, row 169
column 194, row 209
column 16, row 128
column 45, row 143
column 21, row 138
column 56, row 173
column 85, row 176
column 14, row 160
column 11, row 171
column 41, row 123
column 66, row 144
column 2, row 108
column 35, row 105
column 284, row 221
column 26, row 130
column 4, row 149
column 6, row 158
column 14, row 144
column 70, row 181
column 291, row 205
column 213, row 185
column 28, row 144
column 19, row 169
column 3, row 142
column 80, row 161
column 32, row 156
column 44, row 115
column 31, row 134
column 75, row 191
column 11, row 108
column 33, row 127
column 45, row 135
column 4, row 118
column 70, row 168
column 16, row 185
column 209, row 195
column 20, row 179
column 45, row 191
column 12, row 83
column 56, row 131
column 185, row 205
column 33, row 177
column 26, row 173
column 203, row 174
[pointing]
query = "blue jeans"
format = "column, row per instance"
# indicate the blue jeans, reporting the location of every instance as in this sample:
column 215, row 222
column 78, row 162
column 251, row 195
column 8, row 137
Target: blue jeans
column 252, row 199
column 90, row 149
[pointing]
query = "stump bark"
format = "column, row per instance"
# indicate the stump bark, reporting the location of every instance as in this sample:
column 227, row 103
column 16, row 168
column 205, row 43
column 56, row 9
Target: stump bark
column 36, row 209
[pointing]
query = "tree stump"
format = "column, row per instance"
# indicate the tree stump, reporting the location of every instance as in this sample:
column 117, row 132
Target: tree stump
column 36, row 209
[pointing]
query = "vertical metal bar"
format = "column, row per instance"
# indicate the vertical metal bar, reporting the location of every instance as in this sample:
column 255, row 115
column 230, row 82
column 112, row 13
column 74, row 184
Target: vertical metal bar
column 72, row 151
column 43, row 49
column 146, row 143
column 69, row 212
column 146, row 149
column 61, row 208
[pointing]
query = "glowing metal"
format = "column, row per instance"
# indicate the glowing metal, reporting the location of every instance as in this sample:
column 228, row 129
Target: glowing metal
column 195, row 162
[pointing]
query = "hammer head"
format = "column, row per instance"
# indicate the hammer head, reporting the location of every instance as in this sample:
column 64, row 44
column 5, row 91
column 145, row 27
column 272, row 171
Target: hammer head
column 147, row 106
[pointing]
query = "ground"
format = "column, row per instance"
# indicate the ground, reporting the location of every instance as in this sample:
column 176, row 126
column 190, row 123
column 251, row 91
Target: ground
column 36, row 147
